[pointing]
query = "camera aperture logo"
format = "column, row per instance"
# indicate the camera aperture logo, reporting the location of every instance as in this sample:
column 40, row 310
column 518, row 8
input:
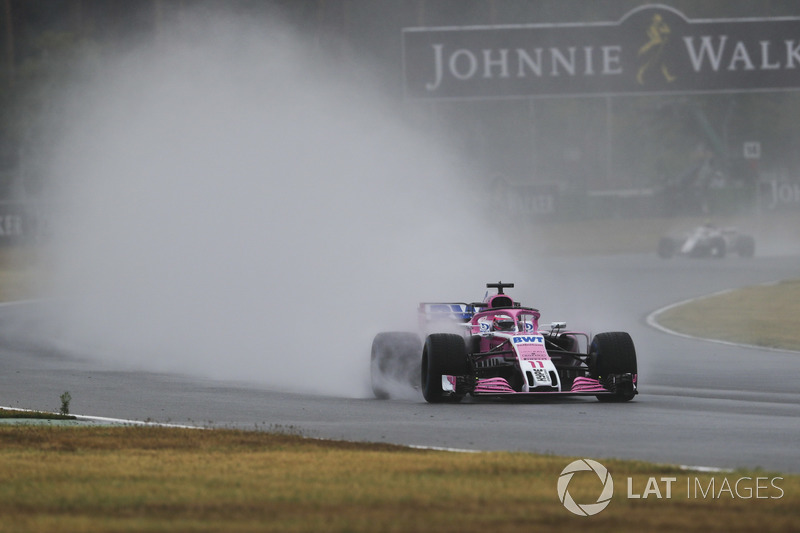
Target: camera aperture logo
column 585, row 509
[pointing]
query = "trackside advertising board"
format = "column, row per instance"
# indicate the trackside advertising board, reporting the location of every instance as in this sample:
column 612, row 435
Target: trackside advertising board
column 651, row 49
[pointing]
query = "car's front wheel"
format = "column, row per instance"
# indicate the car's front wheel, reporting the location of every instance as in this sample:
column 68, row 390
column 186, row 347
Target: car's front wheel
column 613, row 353
column 717, row 248
column 444, row 354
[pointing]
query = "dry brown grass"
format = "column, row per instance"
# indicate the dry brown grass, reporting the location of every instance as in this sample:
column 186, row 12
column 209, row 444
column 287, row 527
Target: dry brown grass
column 764, row 315
column 162, row 479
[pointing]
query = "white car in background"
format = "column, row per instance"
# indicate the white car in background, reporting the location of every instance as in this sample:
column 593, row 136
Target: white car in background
column 708, row 241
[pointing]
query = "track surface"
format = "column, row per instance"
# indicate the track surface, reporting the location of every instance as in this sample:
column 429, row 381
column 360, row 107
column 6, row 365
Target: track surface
column 701, row 403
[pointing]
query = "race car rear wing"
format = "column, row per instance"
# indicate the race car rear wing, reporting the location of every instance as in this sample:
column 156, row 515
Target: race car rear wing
column 442, row 311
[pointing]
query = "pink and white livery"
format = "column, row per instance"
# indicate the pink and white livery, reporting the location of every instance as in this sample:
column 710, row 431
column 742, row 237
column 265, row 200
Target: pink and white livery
column 496, row 348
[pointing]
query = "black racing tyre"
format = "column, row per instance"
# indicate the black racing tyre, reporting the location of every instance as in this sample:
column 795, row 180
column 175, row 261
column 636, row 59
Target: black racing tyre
column 394, row 359
column 746, row 246
column 443, row 354
column 666, row 247
column 613, row 353
column 717, row 247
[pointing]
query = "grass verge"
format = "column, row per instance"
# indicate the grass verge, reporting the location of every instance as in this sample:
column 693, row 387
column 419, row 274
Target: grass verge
column 32, row 415
column 166, row 479
column 764, row 315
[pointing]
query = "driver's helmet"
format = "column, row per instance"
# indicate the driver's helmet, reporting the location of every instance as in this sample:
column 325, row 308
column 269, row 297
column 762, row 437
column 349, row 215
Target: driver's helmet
column 503, row 323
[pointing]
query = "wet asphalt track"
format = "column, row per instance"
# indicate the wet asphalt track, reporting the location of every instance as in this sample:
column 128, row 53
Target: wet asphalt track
column 701, row 403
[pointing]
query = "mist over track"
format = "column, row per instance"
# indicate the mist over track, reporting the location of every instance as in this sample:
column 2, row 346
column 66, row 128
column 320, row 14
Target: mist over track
column 701, row 403
column 237, row 205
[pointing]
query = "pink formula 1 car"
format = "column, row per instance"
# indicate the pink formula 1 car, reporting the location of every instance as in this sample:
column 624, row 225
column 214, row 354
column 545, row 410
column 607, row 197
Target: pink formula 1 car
column 496, row 348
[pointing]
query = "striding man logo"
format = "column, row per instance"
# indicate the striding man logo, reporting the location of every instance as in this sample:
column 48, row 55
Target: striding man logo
column 652, row 52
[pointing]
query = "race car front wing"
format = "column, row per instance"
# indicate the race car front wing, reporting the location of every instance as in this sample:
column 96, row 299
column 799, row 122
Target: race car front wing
column 496, row 386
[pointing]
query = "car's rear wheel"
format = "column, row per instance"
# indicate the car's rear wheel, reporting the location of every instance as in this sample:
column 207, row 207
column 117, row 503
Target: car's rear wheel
column 444, row 354
column 613, row 353
column 394, row 360
column 717, row 247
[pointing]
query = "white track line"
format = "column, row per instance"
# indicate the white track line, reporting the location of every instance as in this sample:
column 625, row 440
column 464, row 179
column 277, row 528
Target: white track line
column 122, row 421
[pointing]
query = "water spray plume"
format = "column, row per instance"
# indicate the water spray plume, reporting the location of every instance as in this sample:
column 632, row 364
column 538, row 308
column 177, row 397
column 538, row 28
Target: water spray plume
column 238, row 208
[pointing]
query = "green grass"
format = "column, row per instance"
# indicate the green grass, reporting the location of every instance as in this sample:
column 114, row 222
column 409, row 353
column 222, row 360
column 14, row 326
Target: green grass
column 32, row 415
column 162, row 479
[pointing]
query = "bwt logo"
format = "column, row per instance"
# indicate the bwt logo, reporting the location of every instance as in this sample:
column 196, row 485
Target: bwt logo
column 529, row 339
column 586, row 509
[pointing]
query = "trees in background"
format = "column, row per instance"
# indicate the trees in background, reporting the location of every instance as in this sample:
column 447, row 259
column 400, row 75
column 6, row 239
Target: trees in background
column 591, row 143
